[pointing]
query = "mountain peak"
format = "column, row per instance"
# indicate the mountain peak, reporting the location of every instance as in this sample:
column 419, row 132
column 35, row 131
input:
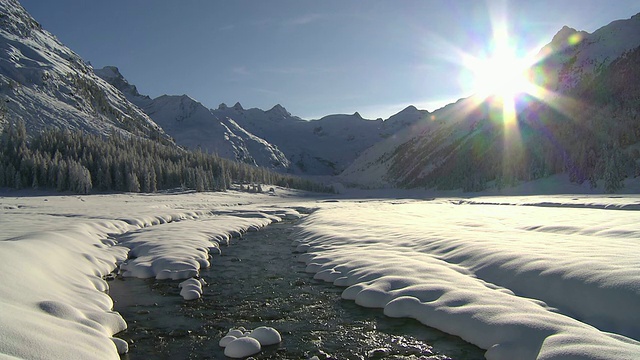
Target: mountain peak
column 567, row 36
column 58, row 89
column 279, row 110
column 237, row 106
column 111, row 70
column 406, row 117
column 112, row 75
column 222, row 106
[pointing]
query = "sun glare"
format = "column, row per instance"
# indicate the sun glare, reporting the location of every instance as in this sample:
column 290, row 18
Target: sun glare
column 502, row 75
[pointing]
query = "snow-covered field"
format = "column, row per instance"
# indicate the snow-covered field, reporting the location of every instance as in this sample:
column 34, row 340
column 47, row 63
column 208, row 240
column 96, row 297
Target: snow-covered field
column 553, row 277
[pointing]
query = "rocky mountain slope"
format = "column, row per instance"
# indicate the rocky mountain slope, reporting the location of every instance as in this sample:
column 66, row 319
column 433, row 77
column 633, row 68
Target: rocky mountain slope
column 45, row 84
column 585, row 124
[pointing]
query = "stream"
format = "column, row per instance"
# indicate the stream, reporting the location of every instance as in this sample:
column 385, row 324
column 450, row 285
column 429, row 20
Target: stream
column 257, row 281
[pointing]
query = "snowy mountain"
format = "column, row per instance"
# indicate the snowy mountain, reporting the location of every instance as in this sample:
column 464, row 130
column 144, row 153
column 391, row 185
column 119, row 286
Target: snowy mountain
column 272, row 138
column 415, row 150
column 45, row 84
column 318, row 147
column 587, row 126
column 573, row 56
column 194, row 126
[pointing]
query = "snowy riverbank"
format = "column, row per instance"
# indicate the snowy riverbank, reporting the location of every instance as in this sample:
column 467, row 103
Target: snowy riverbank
column 556, row 279
column 56, row 250
column 523, row 277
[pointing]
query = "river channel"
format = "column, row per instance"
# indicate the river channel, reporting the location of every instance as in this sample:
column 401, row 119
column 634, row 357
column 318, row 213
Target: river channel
column 257, row 281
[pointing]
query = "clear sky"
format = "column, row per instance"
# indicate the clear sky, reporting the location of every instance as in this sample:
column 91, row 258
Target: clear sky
column 313, row 57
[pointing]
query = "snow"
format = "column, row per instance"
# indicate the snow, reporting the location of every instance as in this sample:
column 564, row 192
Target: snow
column 266, row 335
column 544, row 281
column 546, row 277
column 242, row 347
column 55, row 252
column 239, row 343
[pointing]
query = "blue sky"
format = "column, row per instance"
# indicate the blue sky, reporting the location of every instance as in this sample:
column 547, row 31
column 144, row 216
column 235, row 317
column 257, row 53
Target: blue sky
column 313, row 57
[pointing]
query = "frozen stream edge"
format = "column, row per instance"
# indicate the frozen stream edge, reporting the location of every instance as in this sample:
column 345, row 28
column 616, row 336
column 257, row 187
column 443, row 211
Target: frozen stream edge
column 463, row 269
column 257, row 281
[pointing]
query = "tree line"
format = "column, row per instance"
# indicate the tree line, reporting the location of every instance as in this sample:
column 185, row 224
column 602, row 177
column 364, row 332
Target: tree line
column 80, row 162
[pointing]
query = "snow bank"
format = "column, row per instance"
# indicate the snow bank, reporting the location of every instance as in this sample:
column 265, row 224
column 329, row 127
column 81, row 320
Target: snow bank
column 521, row 282
column 52, row 291
column 177, row 250
column 55, row 251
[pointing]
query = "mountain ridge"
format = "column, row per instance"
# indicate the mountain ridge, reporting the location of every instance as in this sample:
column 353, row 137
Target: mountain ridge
column 281, row 140
column 590, row 82
column 45, row 84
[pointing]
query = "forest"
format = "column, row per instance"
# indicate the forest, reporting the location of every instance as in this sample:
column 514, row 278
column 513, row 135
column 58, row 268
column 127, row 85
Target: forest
column 80, row 162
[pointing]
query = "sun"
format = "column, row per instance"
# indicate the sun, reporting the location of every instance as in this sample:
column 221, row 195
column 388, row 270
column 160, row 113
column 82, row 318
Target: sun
column 503, row 72
column 502, row 75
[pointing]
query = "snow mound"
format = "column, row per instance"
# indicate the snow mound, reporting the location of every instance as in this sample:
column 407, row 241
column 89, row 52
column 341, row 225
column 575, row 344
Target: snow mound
column 266, row 335
column 178, row 249
column 191, row 289
column 242, row 347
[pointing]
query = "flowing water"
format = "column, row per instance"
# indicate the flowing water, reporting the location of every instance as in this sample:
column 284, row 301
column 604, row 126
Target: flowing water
column 257, row 281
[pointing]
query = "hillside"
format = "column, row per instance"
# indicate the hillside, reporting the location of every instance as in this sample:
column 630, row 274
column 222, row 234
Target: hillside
column 585, row 124
column 45, row 84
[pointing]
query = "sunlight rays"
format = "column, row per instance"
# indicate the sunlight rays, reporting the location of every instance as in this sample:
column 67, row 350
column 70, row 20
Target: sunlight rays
column 506, row 73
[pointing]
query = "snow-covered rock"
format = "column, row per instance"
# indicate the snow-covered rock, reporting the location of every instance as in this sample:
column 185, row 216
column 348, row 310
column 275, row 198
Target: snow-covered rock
column 226, row 340
column 239, row 332
column 266, row 335
column 242, row 347
column 191, row 289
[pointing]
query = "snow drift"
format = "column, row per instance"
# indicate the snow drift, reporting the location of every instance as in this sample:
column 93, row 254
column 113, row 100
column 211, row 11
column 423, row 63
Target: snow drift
column 522, row 282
